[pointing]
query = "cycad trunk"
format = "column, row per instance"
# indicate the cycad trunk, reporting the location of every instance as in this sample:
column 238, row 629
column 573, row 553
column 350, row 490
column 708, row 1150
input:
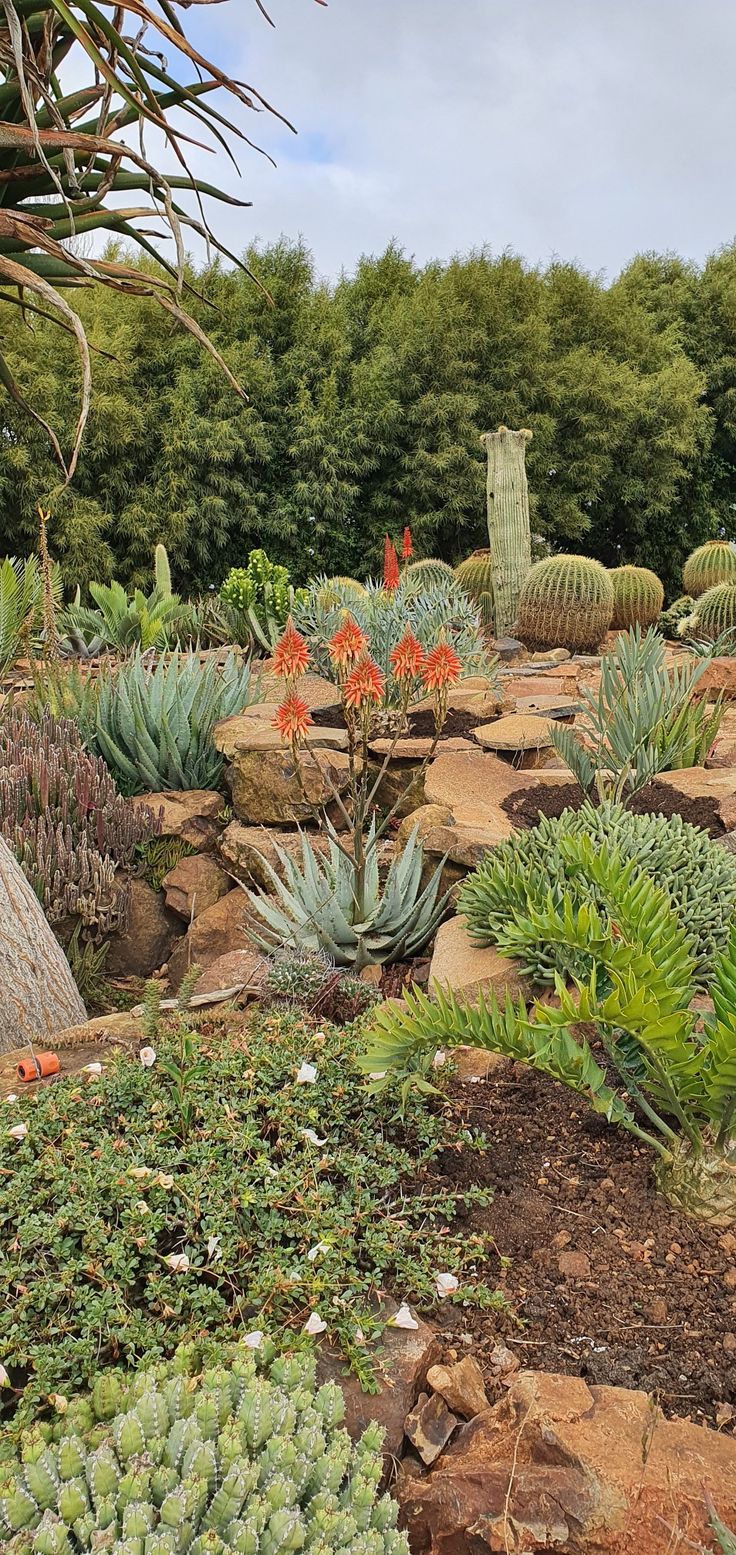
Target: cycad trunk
column 38, row 995
column 509, row 529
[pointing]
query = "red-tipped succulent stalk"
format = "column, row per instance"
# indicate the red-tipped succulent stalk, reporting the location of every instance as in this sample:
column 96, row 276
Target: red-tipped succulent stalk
column 391, row 575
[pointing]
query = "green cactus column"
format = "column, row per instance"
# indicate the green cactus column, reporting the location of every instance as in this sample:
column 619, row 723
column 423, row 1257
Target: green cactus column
column 509, row 530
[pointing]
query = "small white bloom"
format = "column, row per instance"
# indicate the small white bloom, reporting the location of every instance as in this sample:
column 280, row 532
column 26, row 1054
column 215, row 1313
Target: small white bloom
column 177, row 1262
column 319, row 1036
column 59, row 1401
column 93, row 1069
column 403, row 1318
column 377, row 1074
column 11, row 1097
column 4, row 1378
column 319, row 1247
column 439, row 1058
column 147, row 1057
column 164, row 1180
column 359, row 1336
column 445, row 1284
column 313, row 1137
column 214, row 1251
column 315, row 1324
column 141, row 1207
column 139, row 1172
column 19, row 1132
column 254, row 1340
column 307, row 1074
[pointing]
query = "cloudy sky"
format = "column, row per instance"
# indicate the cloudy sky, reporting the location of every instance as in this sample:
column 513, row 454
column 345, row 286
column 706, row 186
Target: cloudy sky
column 585, row 129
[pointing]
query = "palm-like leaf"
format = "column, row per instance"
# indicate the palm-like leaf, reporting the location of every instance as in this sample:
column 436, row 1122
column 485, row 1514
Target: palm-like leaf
column 68, row 168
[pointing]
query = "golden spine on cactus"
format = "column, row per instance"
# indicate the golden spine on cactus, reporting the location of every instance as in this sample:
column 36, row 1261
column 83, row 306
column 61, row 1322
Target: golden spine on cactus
column 426, row 574
column 712, row 563
column 638, row 597
column 566, row 602
column 714, row 613
column 475, row 576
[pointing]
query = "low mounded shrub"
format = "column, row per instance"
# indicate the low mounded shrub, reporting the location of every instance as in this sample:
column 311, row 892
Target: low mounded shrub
column 247, row 1457
column 141, row 1211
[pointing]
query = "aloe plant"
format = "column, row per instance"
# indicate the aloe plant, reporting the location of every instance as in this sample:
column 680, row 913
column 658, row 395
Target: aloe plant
column 669, row 1083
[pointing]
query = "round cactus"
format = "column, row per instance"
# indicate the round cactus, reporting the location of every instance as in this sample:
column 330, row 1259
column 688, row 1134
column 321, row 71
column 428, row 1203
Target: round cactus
column 426, row 574
column 566, row 602
column 712, row 563
column 638, row 597
column 229, row 1461
column 714, row 613
column 475, row 577
column 337, row 593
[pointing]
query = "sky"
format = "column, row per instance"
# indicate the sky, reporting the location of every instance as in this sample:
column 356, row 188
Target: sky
column 587, row 130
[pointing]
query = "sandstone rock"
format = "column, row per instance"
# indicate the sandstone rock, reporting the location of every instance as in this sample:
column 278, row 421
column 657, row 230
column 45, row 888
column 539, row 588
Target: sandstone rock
column 253, row 730
column 542, row 684
column 246, row 968
column 316, row 691
column 402, row 1359
column 574, row 1266
column 502, row 1362
column 461, row 1386
column 429, row 1426
column 217, row 931
column 519, row 732
column 560, row 1465
column 266, row 789
column 464, row 845
column 508, row 649
column 459, row 965
column 191, row 814
column 719, row 675
column 464, row 698
column 194, row 884
column 424, row 819
column 546, row 705
column 550, row 656
column 416, row 747
column 242, row 850
column 472, row 785
column 152, row 932
column 718, row 784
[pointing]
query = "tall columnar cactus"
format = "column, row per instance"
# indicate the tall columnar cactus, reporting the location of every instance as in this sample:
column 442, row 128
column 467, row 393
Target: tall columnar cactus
column 475, row 576
column 566, row 602
column 162, row 571
column 509, row 530
column 232, row 1463
column 425, row 574
column 714, row 613
column 638, row 597
column 712, row 563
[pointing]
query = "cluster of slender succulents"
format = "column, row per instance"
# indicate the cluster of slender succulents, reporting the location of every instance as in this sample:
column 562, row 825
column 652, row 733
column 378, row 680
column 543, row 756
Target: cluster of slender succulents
column 234, row 1462
column 566, row 601
column 712, row 563
column 638, row 597
column 475, row 576
column 258, row 599
column 714, row 613
column 22, row 604
column 62, row 816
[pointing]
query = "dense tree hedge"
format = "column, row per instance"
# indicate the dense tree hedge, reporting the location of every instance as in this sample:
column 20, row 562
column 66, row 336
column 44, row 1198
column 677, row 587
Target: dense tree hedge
column 367, row 400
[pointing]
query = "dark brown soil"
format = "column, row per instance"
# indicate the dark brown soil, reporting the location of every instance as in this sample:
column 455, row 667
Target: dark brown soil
column 457, row 725
column 526, row 805
column 650, row 1300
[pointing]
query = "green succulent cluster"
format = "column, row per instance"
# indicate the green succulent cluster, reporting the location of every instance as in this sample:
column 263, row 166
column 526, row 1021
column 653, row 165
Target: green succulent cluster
column 309, row 980
column 714, row 613
column 670, row 618
column 712, row 563
column 565, row 602
column 233, row 1462
column 638, row 597
column 532, row 867
column 258, row 599
column 475, row 576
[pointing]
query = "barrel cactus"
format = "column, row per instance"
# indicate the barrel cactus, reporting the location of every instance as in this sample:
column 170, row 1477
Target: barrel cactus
column 566, row 602
column 337, row 592
column 426, row 574
column 638, row 597
column 712, row 563
column 476, row 578
column 235, row 1460
column 714, row 613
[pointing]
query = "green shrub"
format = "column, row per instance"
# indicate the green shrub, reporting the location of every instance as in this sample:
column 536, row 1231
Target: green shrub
column 670, row 618
column 565, row 602
column 257, row 600
column 638, row 597
column 104, row 1189
column 712, row 563
column 246, row 1457
column 519, row 874
column 153, row 723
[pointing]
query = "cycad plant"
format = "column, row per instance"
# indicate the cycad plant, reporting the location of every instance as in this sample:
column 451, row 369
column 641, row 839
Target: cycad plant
column 81, row 82
column 642, row 719
column 670, row 1072
column 121, row 622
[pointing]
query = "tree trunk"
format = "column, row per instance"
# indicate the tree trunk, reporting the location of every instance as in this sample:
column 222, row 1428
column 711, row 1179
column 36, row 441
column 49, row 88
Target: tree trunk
column 509, row 530
column 38, row 995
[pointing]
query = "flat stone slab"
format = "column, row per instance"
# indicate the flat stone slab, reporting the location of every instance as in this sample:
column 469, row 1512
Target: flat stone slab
column 469, row 971
column 316, row 691
column 519, row 732
column 546, row 705
column 253, row 730
column 414, row 747
column 465, row 845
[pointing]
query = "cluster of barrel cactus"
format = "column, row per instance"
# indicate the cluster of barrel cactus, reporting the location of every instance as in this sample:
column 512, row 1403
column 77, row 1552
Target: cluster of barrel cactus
column 63, row 818
column 714, row 613
column 638, row 597
column 566, row 601
column 712, row 563
column 237, row 1460
column 475, row 576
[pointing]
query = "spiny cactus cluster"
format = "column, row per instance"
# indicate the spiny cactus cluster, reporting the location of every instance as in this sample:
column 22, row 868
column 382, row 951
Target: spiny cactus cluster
column 65, row 821
column 566, row 602
column 670, row 618
column 638, row 597
column 475, row 576
column 234, row 1461
column 425, row 574
column 712, row 563
column 714, row 613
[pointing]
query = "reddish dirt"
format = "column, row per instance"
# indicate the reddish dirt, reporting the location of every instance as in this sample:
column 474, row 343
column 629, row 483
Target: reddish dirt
column 648, row 1301
column 526, row 804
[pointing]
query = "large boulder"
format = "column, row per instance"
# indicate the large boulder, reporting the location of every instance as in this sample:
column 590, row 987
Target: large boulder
column 558, row 1465
column 267, row 789
column 217, row 931
column 150, row 937
column 194, row 884
column 459, row 965
column 192, row 814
